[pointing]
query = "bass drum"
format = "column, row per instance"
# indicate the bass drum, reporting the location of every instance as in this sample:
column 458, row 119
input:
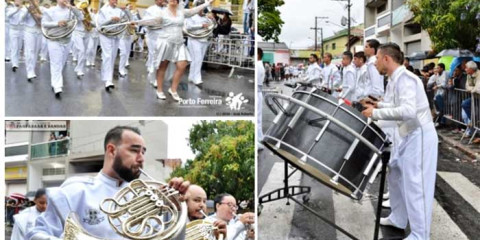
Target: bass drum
column 323, row 137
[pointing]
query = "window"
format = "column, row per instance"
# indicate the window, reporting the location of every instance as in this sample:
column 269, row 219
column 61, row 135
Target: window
column 326, row 47
column 381, row 8
column 334, row 45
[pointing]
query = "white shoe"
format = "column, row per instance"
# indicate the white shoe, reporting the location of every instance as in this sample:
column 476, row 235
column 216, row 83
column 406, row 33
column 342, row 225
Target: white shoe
column 387, row 222
column 198, row 83
column 386, row 196
column 386, row 204
column 154, row 83
column 161, row 95
column 174, row 95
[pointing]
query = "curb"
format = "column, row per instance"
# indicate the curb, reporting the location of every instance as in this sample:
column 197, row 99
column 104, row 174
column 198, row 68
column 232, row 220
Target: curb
column 457, row 145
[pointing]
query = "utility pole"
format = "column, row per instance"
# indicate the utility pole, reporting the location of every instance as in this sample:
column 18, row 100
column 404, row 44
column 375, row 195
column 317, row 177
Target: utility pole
column 321, row 32
column 349, row 5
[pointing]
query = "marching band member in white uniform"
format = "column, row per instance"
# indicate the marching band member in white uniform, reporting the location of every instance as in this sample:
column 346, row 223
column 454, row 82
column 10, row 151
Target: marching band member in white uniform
column 347, row 90
column 109, row 14
column 32, row 42
column 225, row 210
column 375, row 80
column 170, row 47
column 152, row 35
column 359, row 60
column 15, row 16
column 93, row 41
column 7, row 31
column 197, row 46
column 124, row 156
column 44, row 48
column 314, row 72
column 25, row 220
column 58, row 49
column 330, row 73
column 418, row 150
column 260, row 70
column 196, row 199
column 80, row 39
column 125, row 45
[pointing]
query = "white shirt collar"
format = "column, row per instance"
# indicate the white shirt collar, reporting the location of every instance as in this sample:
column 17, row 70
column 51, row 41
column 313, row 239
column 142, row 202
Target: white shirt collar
column 109, row 180
column 397, row 72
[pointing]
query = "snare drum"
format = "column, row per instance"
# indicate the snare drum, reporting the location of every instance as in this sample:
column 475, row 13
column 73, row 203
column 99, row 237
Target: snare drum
column 325, row 138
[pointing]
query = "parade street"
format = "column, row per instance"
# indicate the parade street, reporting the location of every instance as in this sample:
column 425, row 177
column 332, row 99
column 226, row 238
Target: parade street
column 456, row 208
column 133, row 95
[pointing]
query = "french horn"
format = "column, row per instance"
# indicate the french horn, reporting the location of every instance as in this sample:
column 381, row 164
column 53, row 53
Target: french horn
column 145, row 209
column 201, row 229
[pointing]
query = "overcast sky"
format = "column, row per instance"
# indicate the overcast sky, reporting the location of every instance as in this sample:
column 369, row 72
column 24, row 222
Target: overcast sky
column 178, row 132
column 299, row 17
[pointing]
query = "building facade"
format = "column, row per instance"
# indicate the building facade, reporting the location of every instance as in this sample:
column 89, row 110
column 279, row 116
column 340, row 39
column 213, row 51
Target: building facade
column 392, row 21
column 337, row 44
column 34, row 161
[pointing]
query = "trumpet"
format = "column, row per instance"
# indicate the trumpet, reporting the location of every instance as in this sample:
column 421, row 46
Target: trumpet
column 34, row 10
column 201, row 229
column 248, row 227
column 145, row 209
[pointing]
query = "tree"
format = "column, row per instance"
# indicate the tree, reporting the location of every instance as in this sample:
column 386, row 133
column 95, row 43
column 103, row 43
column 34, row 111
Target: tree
column 450, row 24
column 269, row 20
column 225, row 158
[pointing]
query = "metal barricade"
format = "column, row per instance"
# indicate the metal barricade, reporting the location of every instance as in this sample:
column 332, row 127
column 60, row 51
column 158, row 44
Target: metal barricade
column 453, row 100
column 453, row 104
column 231, row 50
column 475, row 119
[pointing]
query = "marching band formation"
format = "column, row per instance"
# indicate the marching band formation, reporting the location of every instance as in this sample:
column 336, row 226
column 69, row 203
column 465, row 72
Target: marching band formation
column 55, row 32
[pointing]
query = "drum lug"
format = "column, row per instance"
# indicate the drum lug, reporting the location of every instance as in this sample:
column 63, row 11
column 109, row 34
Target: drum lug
column 304, row 158
column 334, row 180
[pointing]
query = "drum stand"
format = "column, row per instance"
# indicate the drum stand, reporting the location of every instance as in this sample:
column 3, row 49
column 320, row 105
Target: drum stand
column 289, row 192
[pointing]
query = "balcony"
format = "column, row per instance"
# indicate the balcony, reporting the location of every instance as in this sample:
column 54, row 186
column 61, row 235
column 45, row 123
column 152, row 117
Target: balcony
column 369, row 32
column 50, row 149
column 383, row 23
column 401, row 14
column 374, row 3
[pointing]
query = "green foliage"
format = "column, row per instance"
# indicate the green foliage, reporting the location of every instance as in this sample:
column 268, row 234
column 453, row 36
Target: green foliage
column 269, row 20
column 442, row 20
column 225, row 158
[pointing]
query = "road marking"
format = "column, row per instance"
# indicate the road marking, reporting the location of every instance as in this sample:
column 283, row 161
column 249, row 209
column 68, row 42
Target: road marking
column 464, row 187
column 443, row 227
column 275, row 221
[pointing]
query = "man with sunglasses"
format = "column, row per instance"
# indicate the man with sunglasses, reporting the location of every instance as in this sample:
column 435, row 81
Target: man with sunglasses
column 226, row 208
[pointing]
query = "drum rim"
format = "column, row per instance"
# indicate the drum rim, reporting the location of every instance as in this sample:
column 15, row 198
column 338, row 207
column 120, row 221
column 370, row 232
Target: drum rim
column 332, row 119
column 312, row 158
column 346, row 110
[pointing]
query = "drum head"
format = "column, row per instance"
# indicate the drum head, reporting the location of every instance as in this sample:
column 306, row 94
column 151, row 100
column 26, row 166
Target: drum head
column 323, row 149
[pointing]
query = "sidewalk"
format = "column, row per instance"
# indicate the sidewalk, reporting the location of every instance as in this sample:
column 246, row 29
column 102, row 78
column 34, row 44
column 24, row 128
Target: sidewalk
column 453, row 139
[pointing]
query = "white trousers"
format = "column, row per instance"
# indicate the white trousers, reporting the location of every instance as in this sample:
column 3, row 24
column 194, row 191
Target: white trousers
column 125, row 49
column 197, row 50
column 92, row 49
column 412, row 181
column 44, row 49
column 33, row 43
column 16, row 38
column 151, row 41
column 59, row 55
column 7, row 41
column 80, row 43
column 109, row 54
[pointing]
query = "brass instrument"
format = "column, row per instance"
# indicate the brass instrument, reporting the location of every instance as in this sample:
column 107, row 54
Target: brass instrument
column 145, row 209
column 57, row 33
column 34, row 10
column 115, row 28
column 203, row 32
column 201, row 229
column 87, row 19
